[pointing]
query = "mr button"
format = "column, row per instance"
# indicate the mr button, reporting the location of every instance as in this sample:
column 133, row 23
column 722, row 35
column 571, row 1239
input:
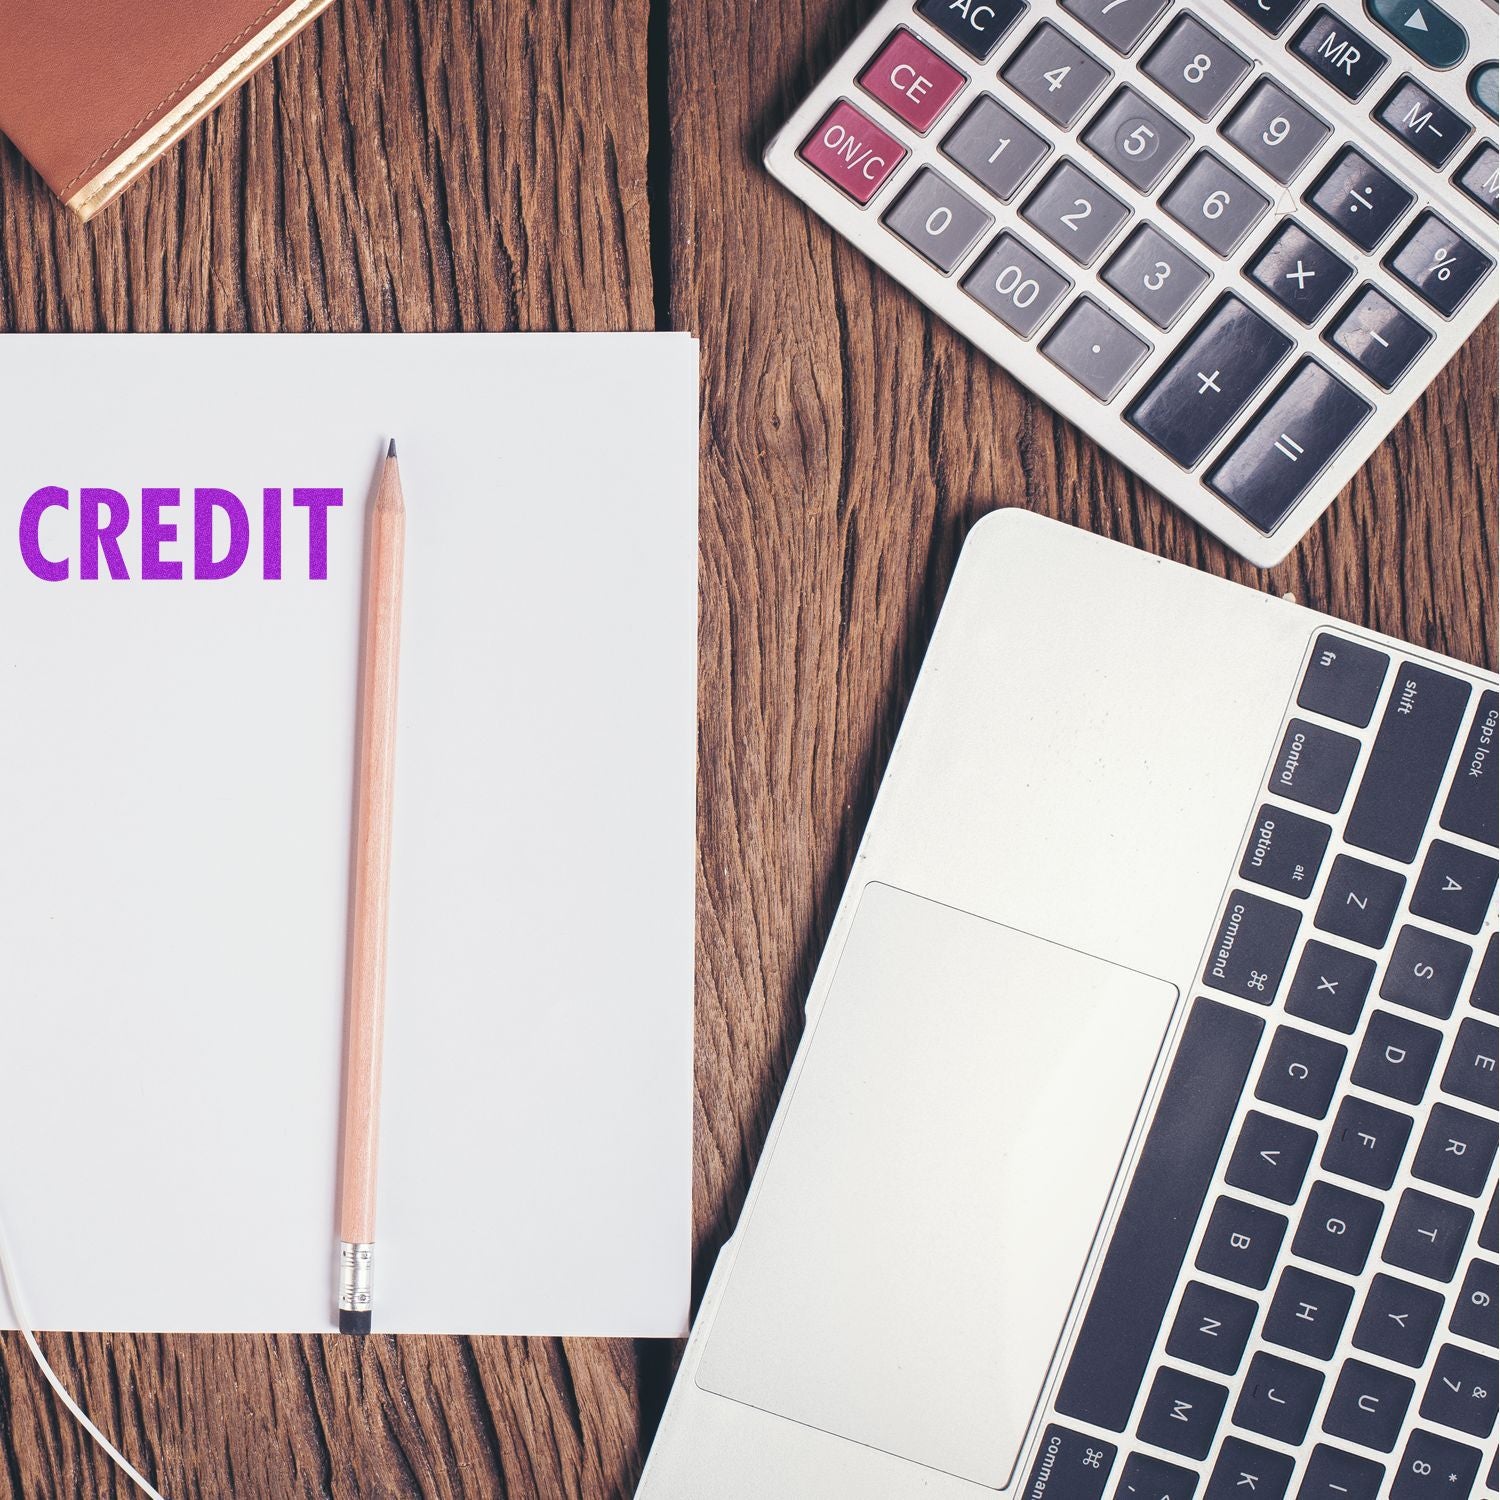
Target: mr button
column 912, row 81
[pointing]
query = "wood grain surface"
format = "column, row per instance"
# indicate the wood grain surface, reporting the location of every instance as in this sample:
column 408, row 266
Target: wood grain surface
column 416, row 164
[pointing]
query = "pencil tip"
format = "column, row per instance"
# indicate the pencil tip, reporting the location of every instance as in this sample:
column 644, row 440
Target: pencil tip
column 391, row 451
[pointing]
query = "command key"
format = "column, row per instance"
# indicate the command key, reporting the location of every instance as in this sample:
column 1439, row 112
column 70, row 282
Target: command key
column 1069, row 1466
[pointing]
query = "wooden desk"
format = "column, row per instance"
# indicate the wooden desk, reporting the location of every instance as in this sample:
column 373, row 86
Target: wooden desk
column 444, row 164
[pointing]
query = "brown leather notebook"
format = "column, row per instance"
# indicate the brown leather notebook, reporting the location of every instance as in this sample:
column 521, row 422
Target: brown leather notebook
column 93, row 91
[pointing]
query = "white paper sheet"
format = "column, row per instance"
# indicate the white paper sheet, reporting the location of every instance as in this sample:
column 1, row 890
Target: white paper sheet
column 176, row 784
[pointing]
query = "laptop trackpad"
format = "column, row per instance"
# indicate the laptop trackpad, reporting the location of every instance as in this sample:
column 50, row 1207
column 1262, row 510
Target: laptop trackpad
column 903, row 1276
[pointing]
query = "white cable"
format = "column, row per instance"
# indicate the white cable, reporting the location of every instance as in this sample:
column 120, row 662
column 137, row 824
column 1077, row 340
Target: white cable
column 12, row 1291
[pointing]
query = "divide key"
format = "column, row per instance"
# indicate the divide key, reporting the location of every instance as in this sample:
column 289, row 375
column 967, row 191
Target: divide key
column 1401, row 780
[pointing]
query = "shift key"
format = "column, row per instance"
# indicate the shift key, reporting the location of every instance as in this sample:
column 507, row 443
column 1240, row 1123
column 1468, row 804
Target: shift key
column 1473, row 806
column 1405, row 770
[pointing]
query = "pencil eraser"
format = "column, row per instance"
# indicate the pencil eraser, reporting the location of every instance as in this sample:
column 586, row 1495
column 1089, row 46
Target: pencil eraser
column 353, row 1322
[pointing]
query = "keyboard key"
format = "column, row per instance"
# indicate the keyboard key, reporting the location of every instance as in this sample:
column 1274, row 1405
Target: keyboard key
column 1240, row 1242
column 1338, row 53
column 1291, row 440
column 1096, row 349
column 1154, row 276
column 1313, row 765
column 1078, row 214
column 1055, row 75
column 1333, row 1474
column 1358, row 199
column 1484, row 87
column 1470, row 1073
column 1461, row 1391
column 1196, row 66
column 1473, row 805
column 976, row 28
column 1139, row 1274
column 912, row 81
column 1486, row 992
column 1368, row 1405
column 1271, row 1157
column 1475, row 1312
column 994, row 147
column 1019, row 288
column 1330, row 986
column 1427, row 1235
column 940, row 223
column 1337, row 1228
column 1300, row 272
column 1435, row 1468
column 1456, row 1150
column 1407, row 762
column 1489, row 1232
column 1251, row 948
column 1285, row 851
column 1343, row 680
column 1277, row 1398
column 1205, row 385
column 1377, row 336
column 1359, row 901
column 1245, row 1469
column 1181, row 1413
column 1479, row 178
column 1367, row 1142
column 1070, row 1466
column 1121, row 23
column 1396, row 1057
column 1147, row 1478
column 1425, row 972
column 1269, row 15
column 1274, row 131
column 1301, row 1072
column 1307, row 1313
column 1211, row 1328
column 1135, row 138
column 1421, row 121
column 852, row 152
column 1423, row 28
column 1455, row 886
column 1214, row 204
column 1398, row 1320
column 1438, row 263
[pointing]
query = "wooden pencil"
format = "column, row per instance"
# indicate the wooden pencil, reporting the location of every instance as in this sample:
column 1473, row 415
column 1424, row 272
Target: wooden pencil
column 364, row 1019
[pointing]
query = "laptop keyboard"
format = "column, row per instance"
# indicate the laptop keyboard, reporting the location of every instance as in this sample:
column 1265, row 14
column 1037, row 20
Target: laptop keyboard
column 1299, row 1294
column 1159, row 216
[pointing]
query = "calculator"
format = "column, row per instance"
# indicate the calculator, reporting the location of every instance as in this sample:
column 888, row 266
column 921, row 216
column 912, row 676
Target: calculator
column 1233, row 241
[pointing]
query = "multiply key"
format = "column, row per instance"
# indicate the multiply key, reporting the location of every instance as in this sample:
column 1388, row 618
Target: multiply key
column 1406, row 765
column 1251, row 947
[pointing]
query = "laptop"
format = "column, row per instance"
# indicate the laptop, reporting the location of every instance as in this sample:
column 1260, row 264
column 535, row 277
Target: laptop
column 1141, row 1140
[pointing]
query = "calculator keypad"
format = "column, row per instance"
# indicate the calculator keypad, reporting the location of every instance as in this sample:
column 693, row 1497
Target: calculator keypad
column 1241, row 241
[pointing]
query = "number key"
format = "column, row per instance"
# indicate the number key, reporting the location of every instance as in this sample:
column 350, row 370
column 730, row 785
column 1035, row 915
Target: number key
column 1121, row 23
column 1135, row 138
column 1435, row 1468
column 1274, row 131
column 1018, row 287
column 1461, row 1392
column 1475, row 1312
column 1076, row 213
column 1196, row 66
column 1216, row 205
column 1055, row 75
column 936, row 220
column 995, row 148
column 1154, row 276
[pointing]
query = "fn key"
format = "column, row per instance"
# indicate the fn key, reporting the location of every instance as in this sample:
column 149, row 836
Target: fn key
column 1291, row 440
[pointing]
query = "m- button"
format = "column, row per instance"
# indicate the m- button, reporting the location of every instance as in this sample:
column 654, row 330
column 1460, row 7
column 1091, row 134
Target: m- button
column 912, row 81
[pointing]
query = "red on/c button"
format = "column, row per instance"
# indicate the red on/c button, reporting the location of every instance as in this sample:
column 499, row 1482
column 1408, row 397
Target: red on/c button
column 911, row 80
column 852, row 151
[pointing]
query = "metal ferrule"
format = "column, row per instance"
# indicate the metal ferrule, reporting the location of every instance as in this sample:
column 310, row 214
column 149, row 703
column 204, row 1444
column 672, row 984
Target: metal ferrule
column 356, row 1276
